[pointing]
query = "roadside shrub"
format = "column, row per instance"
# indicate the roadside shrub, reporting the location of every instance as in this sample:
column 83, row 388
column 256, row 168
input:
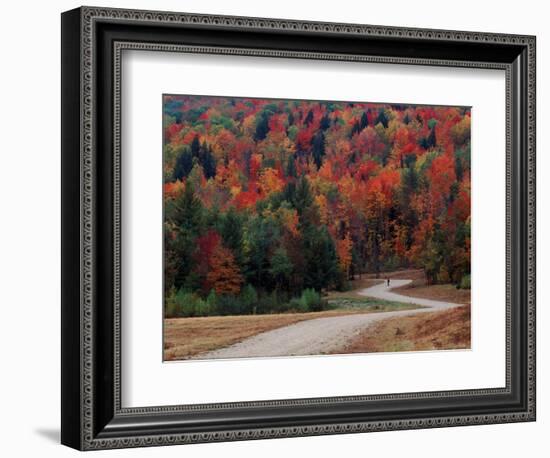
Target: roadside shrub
column 297, row 305
column 212, row 303
column 443, row 275
column 309, row 301
column 465, row 282
column 313, row 300
column 229, row 305
column 269, row 303
column 249, row 299
column 171, row 308
column 344, row 286
column 341, row 283
column 188, row 304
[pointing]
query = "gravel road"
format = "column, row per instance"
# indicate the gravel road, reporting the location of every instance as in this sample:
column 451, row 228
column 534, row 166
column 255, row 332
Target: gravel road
column 323, row 335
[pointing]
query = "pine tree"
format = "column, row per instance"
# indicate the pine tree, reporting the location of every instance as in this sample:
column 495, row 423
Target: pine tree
column 320, row 258
column 290, row 119
column 184, row 221
column 195, row 146
column 382, row 118
column 207, row 161
column 184, row 164
column 364, row 121
column 281, row 267
column 309, row 118
column 325, row 122
column 262, row 127
column 318, row 146
column 231, row 230
column 431, row 140
column 303, row 200
column 355, row 129
column 291, row 168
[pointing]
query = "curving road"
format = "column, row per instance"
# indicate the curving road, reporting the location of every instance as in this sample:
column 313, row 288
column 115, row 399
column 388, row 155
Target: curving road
column 324, row 335
column 381, row 291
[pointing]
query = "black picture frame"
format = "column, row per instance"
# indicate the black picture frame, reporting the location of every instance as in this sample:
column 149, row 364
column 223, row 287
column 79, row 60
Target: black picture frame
column 92, row 40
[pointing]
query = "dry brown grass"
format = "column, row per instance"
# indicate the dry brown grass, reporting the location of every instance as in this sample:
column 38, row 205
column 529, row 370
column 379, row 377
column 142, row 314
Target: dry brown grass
column 186, row 337
column 418, row 287
column 442, row 330
column 446, row 293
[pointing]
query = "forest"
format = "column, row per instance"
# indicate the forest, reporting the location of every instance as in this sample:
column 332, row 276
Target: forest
column 270, row 203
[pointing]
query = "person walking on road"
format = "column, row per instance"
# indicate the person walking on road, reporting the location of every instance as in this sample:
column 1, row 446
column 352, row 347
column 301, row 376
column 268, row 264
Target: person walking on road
column 388, row 281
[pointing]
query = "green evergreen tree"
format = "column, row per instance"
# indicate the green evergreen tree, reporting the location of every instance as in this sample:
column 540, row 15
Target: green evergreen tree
column 431, row 140
column 262, row 127
column 261, row 235
column 184, row 220
column 195, row 146
column 281, row 267
column 309, row 118
column 325, row 122
column 382, row 118
column 231, row 230
column 364, row 120
column 355, row 129
column 318, row 148
column 207, row 161
column 303, row 202
column 290, row 119
column 183, row 166
column 321, row 258
column 291, row 168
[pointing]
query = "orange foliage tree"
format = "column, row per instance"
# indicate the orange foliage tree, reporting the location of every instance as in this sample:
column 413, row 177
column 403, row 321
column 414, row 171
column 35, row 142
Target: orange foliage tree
column 224, row 275
column 343, row 248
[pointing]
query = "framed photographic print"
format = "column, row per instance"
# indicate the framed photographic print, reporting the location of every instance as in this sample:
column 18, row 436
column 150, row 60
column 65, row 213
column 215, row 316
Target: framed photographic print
column 276, row 228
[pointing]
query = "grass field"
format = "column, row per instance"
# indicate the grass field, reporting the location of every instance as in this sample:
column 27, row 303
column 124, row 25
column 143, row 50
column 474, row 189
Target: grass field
column 354, row 286
column 187, row 337
column 448, row 329
column 445, row 293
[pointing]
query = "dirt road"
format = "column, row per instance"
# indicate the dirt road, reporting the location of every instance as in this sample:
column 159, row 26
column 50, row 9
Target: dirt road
column 324, row 335
column 381, row 291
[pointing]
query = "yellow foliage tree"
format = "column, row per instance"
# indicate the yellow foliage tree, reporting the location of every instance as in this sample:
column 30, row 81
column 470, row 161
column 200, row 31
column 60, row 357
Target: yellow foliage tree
column 322, row 203
column 270, row 181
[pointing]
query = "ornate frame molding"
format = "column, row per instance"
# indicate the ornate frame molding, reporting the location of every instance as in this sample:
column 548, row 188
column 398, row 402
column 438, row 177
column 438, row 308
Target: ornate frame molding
column 89, row 17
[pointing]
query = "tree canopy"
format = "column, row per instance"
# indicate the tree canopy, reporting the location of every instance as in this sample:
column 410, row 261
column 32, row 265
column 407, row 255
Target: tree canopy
column 272, row 197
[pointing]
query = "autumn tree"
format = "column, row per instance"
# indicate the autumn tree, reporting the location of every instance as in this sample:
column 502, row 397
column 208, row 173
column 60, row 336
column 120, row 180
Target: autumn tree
column 301, row 194
column 224, row 275
column 344, row 249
